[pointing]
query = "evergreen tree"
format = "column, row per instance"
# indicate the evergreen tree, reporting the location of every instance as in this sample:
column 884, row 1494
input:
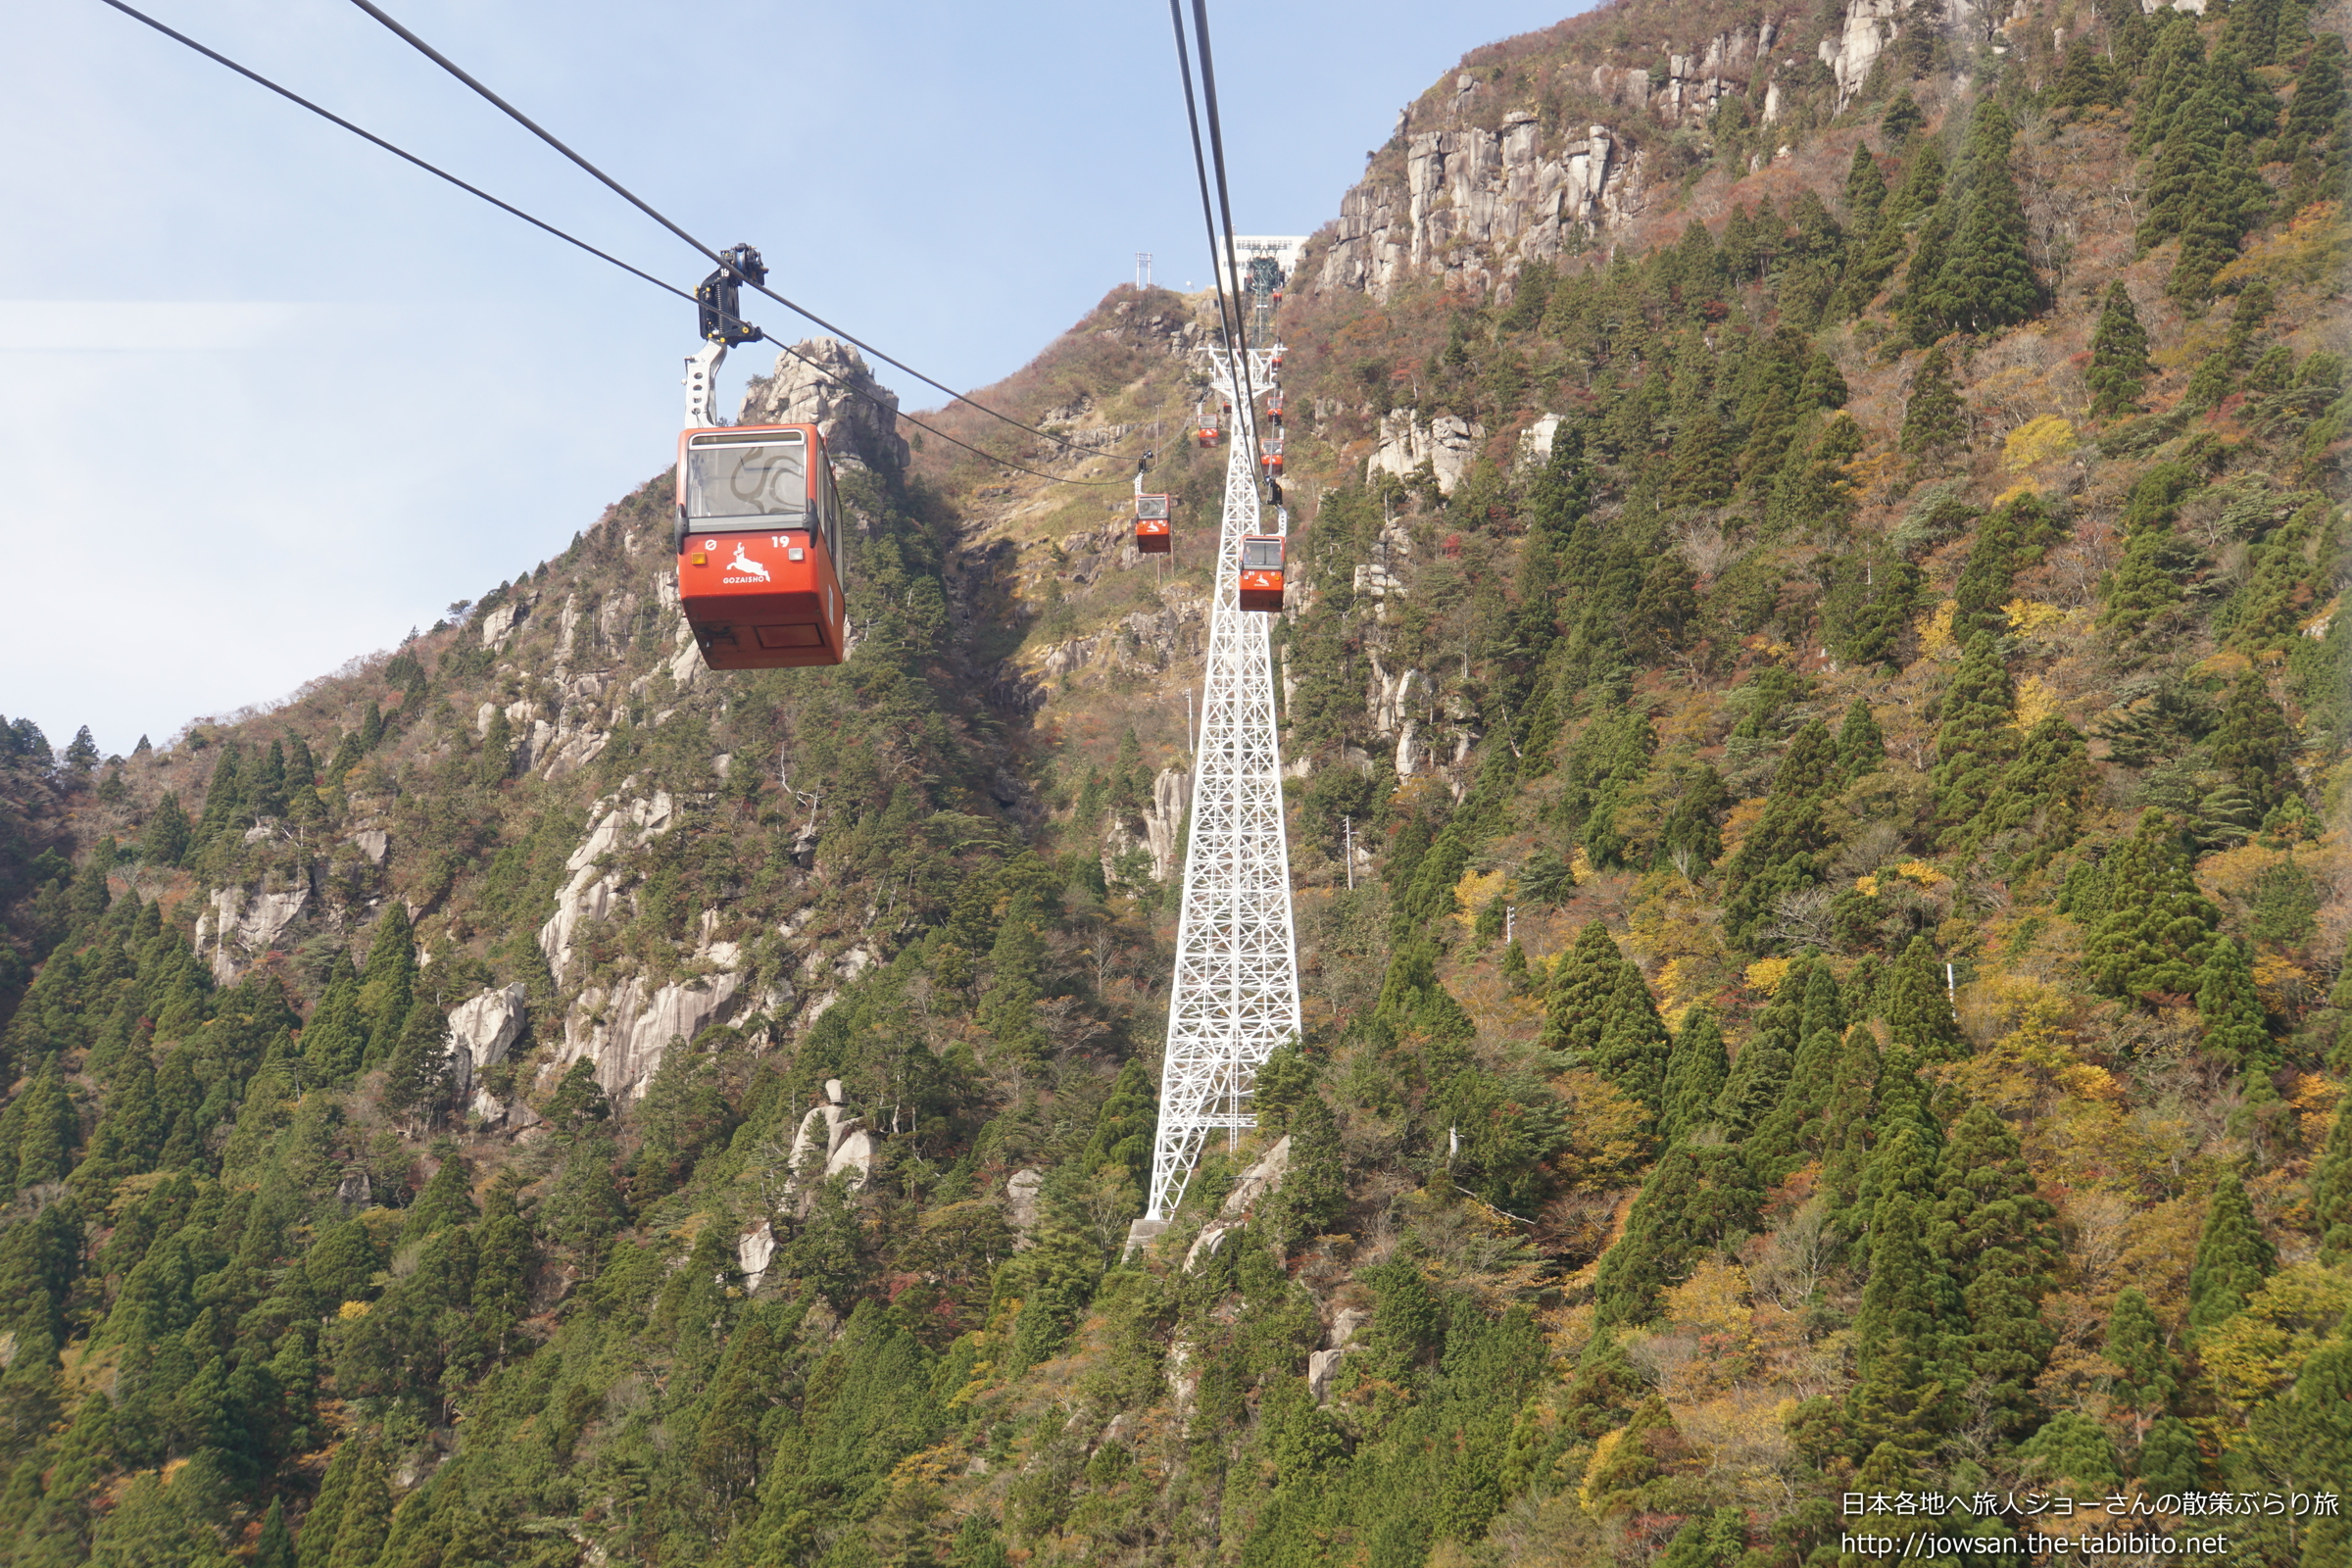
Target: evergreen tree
column 1973, row 743
column 1865, row 192
column 2084, row 78
column 1694, row 1075
column 335, row 1036
column 1846, row 1120
column 165, row 840
column 1994, row 1233
column 1934, row 418
column 446, row 1199
column 2157, row 928
column 2045, row 790
column 1916, row 1002
column 418, row 1075
column 2168, row 1460
column 1583, row 980
column 2332, row 1192
column 275, row 1549
column 2233, row 1259
column 367, row 1519
column 2147, row 1377
column 2119, row 356
column 1986, row 281
column 1759, row 1077
column 1786, row 851
column 1125, row 1125
column 2254, row 745
column 2232, row 1012
column 386, row 982
column 1633, row 1048
column 1861, row 745
column 2315, row 117
column 1694, row 1199
column 2073, row 1455
column 325, row 1518
column 1909, row 1309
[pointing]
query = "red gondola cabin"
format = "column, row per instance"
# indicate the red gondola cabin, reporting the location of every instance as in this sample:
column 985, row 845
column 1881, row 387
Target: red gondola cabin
column 1262, row 571
column 758, row 537
column 1152, row 525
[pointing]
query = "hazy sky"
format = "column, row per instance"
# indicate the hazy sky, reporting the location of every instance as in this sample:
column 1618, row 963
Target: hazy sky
column 268, row 397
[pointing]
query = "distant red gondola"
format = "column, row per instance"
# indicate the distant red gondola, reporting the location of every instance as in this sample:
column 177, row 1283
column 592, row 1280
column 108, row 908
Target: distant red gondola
column 1262, row 571
column 1152, row 535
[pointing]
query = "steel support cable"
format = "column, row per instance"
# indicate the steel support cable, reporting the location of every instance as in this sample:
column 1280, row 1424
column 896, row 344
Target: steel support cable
column 438, row 173
column 707, row 254
column 1226, row 317
column 1217, row 149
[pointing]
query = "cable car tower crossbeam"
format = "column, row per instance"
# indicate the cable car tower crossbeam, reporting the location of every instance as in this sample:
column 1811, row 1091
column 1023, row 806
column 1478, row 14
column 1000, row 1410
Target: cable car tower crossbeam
column 1235, row 996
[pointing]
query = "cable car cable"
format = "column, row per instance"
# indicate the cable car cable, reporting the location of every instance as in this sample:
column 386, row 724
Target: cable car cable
column 1216, row 147
column 1191, row 115
column 402, row 153
column 707, row 254
column 438, row 173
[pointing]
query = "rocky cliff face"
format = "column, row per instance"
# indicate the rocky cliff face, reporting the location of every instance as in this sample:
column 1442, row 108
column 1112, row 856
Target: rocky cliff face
column 827, row 383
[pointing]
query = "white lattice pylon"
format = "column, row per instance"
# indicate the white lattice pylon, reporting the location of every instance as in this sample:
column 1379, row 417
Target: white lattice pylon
column 1235, row 998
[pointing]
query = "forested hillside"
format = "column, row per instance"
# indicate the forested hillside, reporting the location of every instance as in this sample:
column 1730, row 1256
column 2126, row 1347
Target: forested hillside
column 1824, row 646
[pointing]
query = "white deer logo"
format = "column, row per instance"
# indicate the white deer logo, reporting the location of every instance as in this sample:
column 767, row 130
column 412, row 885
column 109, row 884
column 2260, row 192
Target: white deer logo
column 745, row 563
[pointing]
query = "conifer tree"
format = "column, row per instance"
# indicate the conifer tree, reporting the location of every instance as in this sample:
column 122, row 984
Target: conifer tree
column 1934, row 418
column 2233, row 1259
column 1694, row 1199
column 1784, row 853
column 1814, row 493
column 2254, row 745
column 1980, row 600
column 316, row 1543
column 1759, row 1077
column 2332, row 1192
column 1865, row 192
column 2148, row 1375
column 2168, row 1462
column 1974, row 739
column 335, row 1036
column 1633, row 1043
column 1986, row 281
column 2232, row 1012
column 418, row 1075
column 1846, row 1119
column 2045, row 789
column 165, row 838
column 1861, row 745
column 1994, row 1233
column 275, row 1549
column 446, row 1199
column 2084, row 78
column 1908, row 1312
column 1015, row 984
column 2073, row 1455
column 1582, row 983
column 366, row 1517
column 2157, row 928
column 2315, row 118
column 1917, row 1004
column 1130, row 1115
column 1694, row 1075
column 2143, row 585
column 2119, row 356
column 386, row 981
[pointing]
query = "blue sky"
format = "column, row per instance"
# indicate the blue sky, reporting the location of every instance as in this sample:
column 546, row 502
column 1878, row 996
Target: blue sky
column 272, row 397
